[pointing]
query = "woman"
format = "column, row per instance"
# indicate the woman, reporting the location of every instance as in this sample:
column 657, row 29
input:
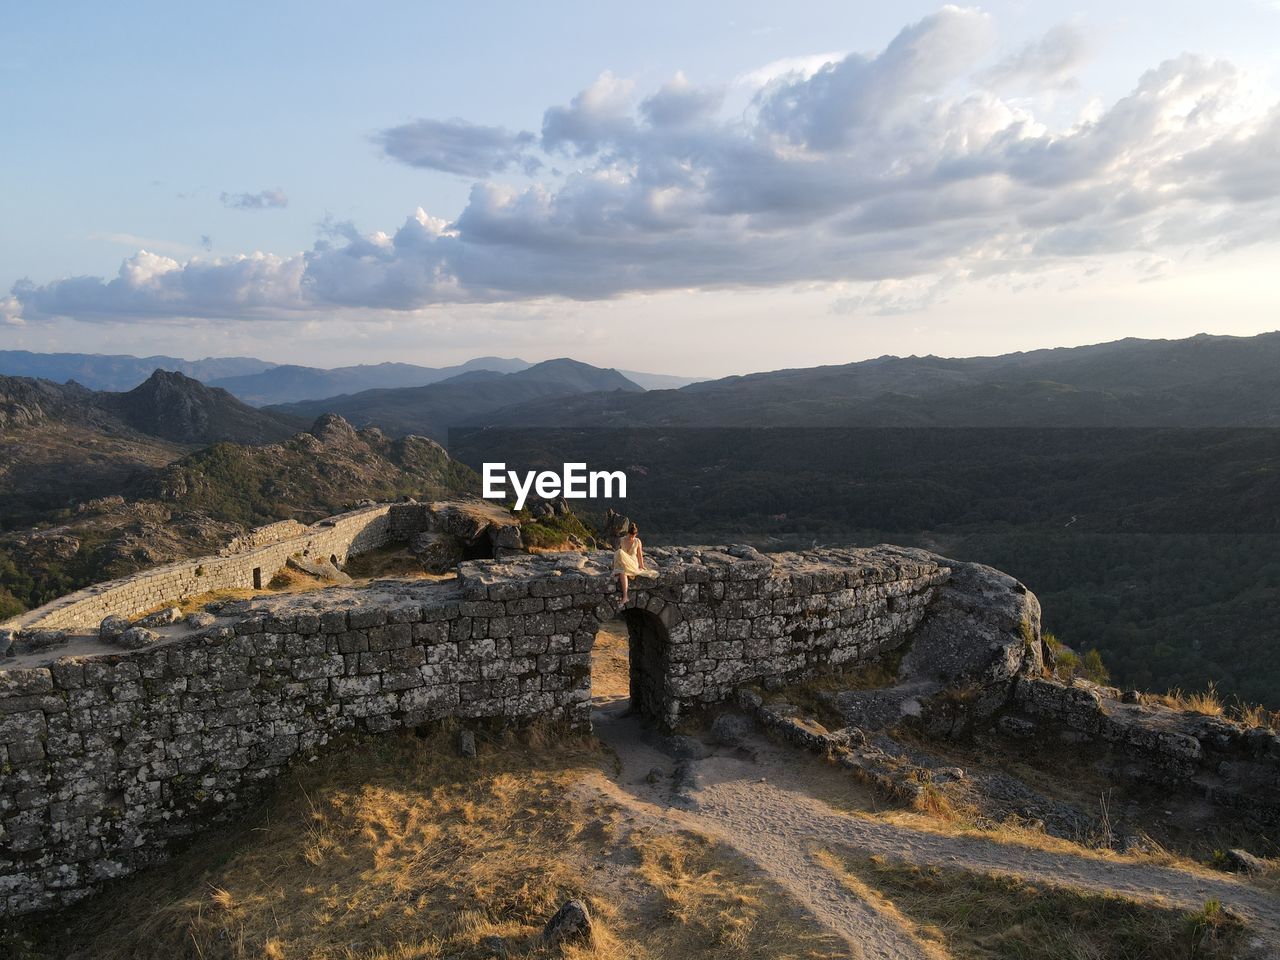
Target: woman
column 628, row 561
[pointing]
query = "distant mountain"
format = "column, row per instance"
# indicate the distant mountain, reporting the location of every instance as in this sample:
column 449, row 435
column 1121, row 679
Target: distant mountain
column 107, row 516
column 1201, row 381
column 311, row 475
column 62, row 443
column 57, row 447
column 431, row 410
column 177, row 408
column 260, row 382
column 119, row 371
column 289, row 383
column 659, row 381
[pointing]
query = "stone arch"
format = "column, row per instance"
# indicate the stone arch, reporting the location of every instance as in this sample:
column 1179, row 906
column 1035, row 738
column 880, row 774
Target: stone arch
column 649, row 655
column 649, row 621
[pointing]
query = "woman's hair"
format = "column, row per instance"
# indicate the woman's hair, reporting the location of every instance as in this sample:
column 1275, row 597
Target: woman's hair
column 633, row 529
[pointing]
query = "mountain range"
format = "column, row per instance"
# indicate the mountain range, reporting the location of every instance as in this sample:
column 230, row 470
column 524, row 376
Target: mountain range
column 432, row 410
column 260, row 382
column 1203, row 381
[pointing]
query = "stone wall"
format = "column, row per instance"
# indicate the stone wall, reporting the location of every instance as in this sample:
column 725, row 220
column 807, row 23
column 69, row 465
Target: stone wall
column 264, row 536
column 341, row 536
column 108, row 755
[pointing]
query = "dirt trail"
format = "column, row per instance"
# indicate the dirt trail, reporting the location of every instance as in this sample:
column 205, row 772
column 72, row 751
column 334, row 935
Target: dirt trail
column 758, row 802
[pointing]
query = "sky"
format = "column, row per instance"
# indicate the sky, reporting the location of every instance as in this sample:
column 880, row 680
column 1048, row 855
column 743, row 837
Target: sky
column 697, row 189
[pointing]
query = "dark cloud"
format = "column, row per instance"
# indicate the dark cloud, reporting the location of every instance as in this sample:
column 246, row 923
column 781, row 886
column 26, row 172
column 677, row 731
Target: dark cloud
column 456, row 146
column 892, row 168
column 262, row 200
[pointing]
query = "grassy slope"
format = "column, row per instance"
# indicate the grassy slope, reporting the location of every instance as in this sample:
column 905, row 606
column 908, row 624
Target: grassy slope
column 985, row 917
column 396, row 849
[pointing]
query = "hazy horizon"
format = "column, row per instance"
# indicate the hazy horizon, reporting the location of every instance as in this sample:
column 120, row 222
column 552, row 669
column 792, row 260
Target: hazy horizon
column 621, row 368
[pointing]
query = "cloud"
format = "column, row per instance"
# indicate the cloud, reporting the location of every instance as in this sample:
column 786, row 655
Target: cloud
column 598, row 114
column 262, row 200
column 887, row 298
column 802, row 67
column 456, row 146
column 151, row 286
column 679, row 103
column 1046, row 63
column 885, row 168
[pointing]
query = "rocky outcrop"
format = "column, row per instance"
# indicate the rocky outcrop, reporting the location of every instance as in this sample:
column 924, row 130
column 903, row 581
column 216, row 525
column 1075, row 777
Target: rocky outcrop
column 981, row 633
column 1226, row 762
column 175, row 407
column 455, row 530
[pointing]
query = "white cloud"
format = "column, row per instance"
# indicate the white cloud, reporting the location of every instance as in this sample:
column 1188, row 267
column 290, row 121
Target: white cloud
column 803, row 67
column 873, row 169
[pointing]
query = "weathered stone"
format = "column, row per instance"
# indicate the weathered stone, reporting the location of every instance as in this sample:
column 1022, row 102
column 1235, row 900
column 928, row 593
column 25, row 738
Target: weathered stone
column 569, row 924
column 1242, row 861
column 161, row 618
column 136, row 637
column 731, row 729
column 467, row 744
column 110, row 629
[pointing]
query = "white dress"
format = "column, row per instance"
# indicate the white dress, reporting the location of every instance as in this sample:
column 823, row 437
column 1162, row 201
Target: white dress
column 627, row 561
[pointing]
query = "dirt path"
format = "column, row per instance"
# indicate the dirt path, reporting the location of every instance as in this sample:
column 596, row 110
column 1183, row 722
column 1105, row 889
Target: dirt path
column 758, row 802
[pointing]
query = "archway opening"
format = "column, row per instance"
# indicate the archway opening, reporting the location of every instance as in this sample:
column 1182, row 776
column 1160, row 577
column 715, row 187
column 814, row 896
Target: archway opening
column 481, row 548
column 629, row 663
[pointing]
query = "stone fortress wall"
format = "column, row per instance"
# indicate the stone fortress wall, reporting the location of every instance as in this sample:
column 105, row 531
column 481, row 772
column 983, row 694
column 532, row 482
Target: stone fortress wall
column 248, row 562
column 342, row 536
column 109, row 755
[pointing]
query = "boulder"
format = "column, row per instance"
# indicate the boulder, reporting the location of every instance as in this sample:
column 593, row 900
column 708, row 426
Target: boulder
column 1242, row 861
column 6, row 642
column 731, row 729
column 161, row 618
column 40, row 639
column 571, row 923
column 136, row 637
column 111, row 627
column 685, row 748
column 200, row 620
column 438, row 552
column 323, row 570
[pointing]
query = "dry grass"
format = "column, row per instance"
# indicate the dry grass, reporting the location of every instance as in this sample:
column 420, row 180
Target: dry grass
column 611, row 663
column 933, row 802
column 1210, row 703
column 1269, row 879
column 392, row 848
column 718, row 906
column 930, row 942
column 1007, row 918
column 393, row 561
column 1206, row 702
column 958, row 820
